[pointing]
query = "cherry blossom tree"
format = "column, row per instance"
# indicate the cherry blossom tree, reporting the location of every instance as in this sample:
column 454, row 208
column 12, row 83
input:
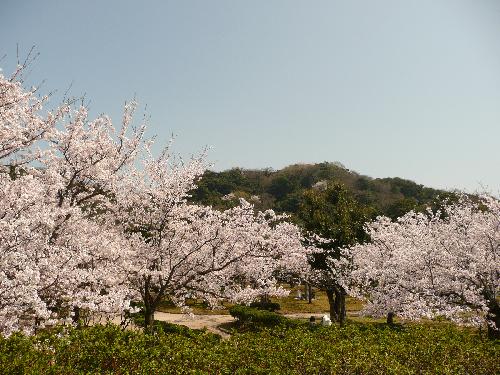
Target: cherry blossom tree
column 434, row 264
column 58, row 251
column 181, row 250
column 24, row 216
column 84, row 227
column 21, row 123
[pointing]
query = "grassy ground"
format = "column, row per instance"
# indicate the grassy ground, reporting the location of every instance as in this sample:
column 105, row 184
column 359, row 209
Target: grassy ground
column 289, row 305
column 299, row 309
column 319, row 305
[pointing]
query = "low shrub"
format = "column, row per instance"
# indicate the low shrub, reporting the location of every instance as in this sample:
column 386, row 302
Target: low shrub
column 266, row 305
column 353, row 349
column 246, row 314
column 177, row 329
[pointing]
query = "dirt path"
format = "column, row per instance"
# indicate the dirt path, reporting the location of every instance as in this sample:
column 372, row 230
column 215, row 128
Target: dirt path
column 212, row 322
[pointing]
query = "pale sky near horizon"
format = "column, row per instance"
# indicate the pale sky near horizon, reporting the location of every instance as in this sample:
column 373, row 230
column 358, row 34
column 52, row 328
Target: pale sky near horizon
column 388, row 88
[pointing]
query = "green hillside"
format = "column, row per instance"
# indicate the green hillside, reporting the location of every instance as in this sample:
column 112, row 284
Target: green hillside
column 282, row 190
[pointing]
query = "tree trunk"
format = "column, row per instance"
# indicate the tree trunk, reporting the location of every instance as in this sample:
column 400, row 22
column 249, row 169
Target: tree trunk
column 330, row 293
column 493, row 320
column 309, row 293
column 339, row 306
column 149, row 308
column 76, row 315
column 390, row 318
column 264, row 299
column 149, row 317
column 151, row 298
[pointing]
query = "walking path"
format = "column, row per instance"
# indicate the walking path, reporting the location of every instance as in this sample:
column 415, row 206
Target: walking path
column 212, row 322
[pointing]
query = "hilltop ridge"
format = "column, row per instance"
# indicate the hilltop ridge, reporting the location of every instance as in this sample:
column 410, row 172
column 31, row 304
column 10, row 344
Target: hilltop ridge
column 281, row 189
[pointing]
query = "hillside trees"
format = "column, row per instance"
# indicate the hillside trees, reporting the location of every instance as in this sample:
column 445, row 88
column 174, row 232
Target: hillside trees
column 282, row 190
column 443, row 263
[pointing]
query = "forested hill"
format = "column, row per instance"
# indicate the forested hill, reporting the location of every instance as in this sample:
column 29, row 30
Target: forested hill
column 282, row 190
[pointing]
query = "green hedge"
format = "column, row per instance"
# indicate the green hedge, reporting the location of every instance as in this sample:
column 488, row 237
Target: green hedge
column 353, row 349
column 266, row 305
column 246, row 314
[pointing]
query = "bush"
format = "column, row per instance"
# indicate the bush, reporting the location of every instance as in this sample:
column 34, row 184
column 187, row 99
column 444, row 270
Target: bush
column 177, row 329
column 246, row 314
column 266, row 305
column 353, row 349
column 255, row 318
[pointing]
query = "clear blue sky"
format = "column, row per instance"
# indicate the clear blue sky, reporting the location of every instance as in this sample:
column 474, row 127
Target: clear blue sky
column 388, row 88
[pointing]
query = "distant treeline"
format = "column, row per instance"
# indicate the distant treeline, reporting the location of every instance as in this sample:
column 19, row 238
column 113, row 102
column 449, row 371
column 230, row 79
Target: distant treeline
column 282, row 190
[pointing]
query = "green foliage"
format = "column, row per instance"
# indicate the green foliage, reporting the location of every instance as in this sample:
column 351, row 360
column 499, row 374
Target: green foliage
column 280, row 187
column 266, row 305
column 353, row 349
column 282, row 190
column 166, row 327
column 400, row 207
column 335, row 214
column 178, row 329
column 258, row 317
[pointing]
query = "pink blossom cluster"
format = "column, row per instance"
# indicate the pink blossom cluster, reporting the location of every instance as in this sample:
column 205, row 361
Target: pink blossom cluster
column 90, row 220
column 433, row 264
